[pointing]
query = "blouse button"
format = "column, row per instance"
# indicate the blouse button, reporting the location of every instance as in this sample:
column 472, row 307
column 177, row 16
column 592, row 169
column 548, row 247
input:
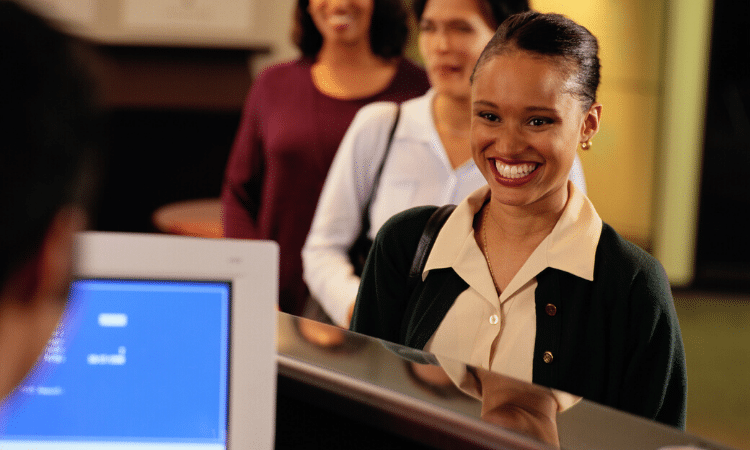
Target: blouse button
column 494, row 319
column 547, row 357
column 550, row 309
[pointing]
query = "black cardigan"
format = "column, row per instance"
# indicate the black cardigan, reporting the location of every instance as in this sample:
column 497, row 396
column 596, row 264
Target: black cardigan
column 615, row 340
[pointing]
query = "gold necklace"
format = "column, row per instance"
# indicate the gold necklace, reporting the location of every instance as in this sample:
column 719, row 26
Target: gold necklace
column 486, row 244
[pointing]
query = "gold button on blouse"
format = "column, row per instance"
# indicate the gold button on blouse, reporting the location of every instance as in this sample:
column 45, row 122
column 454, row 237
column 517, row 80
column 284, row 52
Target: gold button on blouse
column 548, row 357
column 550, row 309
column 494, row 319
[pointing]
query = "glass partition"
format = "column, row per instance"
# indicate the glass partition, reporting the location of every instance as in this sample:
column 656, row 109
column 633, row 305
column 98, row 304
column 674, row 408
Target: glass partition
column 422, row 400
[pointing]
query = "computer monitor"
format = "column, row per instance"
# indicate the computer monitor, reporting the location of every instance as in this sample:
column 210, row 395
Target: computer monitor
column 167, row 342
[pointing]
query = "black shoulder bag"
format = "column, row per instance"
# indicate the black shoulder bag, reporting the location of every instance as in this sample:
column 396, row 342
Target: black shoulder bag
column 426, row 241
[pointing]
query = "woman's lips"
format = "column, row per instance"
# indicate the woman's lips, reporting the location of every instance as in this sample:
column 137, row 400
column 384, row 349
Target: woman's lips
column 445, row 69
column 514, row 174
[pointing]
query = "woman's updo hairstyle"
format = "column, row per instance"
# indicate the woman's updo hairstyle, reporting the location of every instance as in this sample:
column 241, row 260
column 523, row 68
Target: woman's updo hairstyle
column 389, row 29
column 494, row 12
column 550, row 35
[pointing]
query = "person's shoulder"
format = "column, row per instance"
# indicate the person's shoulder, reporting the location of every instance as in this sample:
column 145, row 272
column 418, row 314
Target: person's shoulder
column 301, row 64
column 418, row 109
column 377, row 110
column 375, row 116
column 280, row 83
column 411, row 78
column 283, row 73
column 409, row 67
column 631, row 256
column 421, row 103
column 407, row 224
column 622, row 262
column 416, row 213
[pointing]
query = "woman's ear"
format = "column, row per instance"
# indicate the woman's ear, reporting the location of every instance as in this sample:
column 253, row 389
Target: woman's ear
column 47, row 273
column 56, row 256
column 591, row 121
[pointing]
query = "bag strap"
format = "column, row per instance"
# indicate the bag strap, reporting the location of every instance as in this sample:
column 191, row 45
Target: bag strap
column 365, row 220
column 426, row 241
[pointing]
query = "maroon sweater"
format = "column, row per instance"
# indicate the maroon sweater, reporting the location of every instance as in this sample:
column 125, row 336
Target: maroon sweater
column 285, row 143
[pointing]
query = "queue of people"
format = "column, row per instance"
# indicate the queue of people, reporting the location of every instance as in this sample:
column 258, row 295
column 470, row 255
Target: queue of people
column 523, row 278
column 429, row 160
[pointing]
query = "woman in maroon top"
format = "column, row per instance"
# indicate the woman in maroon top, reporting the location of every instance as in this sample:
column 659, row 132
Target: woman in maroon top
column 296, row 115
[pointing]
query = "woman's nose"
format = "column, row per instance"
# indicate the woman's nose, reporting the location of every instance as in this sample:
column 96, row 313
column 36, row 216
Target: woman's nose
column 342, row 4
column 443, row 41
column 508, row 142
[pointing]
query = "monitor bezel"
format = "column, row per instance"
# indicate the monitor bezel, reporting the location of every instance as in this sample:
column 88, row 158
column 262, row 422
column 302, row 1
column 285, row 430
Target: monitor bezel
column 251, row 266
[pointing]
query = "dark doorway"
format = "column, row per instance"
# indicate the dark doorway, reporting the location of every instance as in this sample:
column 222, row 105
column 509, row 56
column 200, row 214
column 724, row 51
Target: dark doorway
column 723, row 246
column 158, row 157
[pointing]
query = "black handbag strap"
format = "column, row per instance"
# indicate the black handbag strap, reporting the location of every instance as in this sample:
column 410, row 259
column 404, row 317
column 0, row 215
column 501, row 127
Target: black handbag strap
column 365, row 221
column 426, row 241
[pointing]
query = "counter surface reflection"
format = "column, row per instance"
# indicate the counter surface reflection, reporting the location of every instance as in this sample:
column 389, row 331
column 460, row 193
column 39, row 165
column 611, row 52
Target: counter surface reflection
column 339, row 389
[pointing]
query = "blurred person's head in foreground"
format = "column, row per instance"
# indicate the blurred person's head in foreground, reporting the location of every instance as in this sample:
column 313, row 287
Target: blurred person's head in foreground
column 47, row 144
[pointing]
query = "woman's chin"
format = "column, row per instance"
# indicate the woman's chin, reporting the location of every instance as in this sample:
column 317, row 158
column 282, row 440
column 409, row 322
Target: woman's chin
column 453, row 86
column 512, row 199
column 528, row 196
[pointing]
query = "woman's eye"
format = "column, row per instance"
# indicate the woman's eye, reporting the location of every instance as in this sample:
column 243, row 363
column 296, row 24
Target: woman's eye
column 539, row 121
column 489, row 116
column 426, row 27
column 463, row 29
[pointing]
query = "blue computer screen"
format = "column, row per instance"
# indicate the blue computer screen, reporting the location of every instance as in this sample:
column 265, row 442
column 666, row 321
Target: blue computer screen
column 131, row 361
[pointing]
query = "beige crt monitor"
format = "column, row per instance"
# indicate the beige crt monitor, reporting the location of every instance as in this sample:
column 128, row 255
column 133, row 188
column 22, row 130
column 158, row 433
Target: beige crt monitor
column 168, row 342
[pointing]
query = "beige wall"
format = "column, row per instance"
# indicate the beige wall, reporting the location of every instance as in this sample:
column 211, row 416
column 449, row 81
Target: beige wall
column 644, row 169
column 252, row 24
column 619, row 167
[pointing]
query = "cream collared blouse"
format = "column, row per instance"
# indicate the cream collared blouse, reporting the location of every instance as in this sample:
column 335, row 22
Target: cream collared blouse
column 498, row 333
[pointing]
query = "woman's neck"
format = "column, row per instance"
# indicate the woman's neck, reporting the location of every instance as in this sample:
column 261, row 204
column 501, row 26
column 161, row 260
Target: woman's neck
column 340, row 56
column 351, row 72
column 508, row 235
column 452, row 117
column 528, row 224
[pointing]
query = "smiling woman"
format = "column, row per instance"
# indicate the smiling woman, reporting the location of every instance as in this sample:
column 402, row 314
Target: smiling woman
column 524, row 278
column 336, row 21
column 526, row 126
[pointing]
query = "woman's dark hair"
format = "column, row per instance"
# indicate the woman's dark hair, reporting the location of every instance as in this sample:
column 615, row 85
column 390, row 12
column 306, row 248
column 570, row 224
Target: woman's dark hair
column 493, row 11
column 550, row 35
column 49, row 132
column 389, row 29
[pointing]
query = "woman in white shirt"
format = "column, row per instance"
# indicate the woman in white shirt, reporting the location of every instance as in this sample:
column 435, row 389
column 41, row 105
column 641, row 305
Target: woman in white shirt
column 429, row 161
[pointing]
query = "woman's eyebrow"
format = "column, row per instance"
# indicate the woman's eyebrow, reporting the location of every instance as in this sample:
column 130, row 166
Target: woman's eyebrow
column 485, row 103
column 541, row 109
column 451, row 22
column 489, row 104
column 457, row 23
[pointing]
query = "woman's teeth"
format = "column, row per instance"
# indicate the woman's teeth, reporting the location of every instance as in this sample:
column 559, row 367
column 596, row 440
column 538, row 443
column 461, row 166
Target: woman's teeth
column 515, row 170
column 340, row 19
